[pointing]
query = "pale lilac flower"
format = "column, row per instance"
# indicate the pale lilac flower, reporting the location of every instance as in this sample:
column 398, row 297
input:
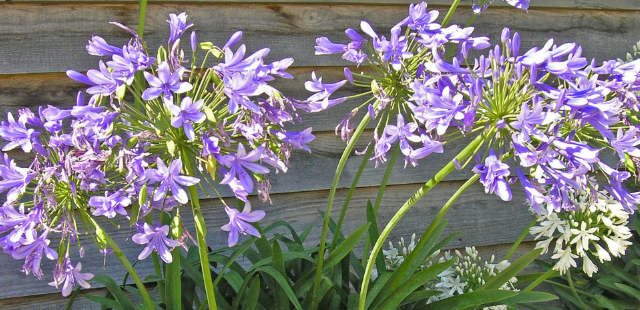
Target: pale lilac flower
column 32, row 254
column 170, row 179
column 493, row 175
column 67, row 276
column 626, row 142
column 18, row 134
column 166, row 83
column 14, row 179
column 239, row 223
column 188, row 112
column 536, row 199
column 298, row 139
column 210, row 145
column 101, row 81
column 238, row 162
column 178, row 25
column 97, row 46
column 156, row 240
column 110, row 205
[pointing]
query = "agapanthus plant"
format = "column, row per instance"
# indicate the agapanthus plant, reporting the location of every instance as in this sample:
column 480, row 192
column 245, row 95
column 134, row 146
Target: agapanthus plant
column 154, row 127
column 548, row 115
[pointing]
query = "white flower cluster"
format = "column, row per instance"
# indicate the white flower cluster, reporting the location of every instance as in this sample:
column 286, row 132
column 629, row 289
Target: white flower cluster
column 597, row 228
column 467, row 273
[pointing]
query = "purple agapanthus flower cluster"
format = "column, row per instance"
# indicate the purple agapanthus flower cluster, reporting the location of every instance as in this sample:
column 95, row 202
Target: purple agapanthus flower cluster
column 548, row 111
column 151, row 130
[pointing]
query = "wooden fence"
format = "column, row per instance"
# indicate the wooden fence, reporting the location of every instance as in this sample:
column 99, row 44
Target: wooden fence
column 39, row 40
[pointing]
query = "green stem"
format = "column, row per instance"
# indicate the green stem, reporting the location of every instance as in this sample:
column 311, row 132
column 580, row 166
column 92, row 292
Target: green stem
column 573, row 290
column 385, row 178
column 468, row 151
column 347, row 200
column 103, row 236
column 173, row 289
column 141, row 17
column 400, row 272
column 452, row 9
column 201, row 233
column 550, row 273
column 524, row 234
column 332, row 193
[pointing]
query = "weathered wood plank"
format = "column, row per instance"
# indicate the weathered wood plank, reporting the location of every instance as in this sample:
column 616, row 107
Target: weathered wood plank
column 55, row 38
column 55, row 301
column 479, row 218
column 583, row 4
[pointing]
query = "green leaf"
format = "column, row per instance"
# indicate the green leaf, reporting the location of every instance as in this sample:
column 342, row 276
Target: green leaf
column 344, row 248
column 115, row 290
column 281, row 280
column 381, row 266
column 280, row 298
column 471, row 300
column 511, row 271
column 414, row 282
column 162, row 55
column 419, row 296
column 250, row 301
column 239, row 250
column 628, row 289
column 628, row 163
column 105, row 302
column 530, row 297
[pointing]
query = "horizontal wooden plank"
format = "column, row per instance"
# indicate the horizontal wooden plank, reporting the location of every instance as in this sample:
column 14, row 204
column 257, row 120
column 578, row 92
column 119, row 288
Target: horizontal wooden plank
column 55, row 301
column 584, row 4
column 481, row 220
column 56, row 34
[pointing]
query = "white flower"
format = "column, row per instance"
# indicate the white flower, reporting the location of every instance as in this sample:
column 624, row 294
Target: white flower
column 617, row 247
column 602, row 254
column 565, row 260
column 588, row 266
column 582, row 237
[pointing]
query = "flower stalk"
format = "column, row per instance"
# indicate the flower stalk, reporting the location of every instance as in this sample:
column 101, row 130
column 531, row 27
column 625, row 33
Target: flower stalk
column 467, row 152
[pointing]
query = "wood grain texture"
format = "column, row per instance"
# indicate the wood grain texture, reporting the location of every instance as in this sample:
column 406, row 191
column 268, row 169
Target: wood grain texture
column 55, row 39
column 583, row 4
column 55, row 301
column 481, row 220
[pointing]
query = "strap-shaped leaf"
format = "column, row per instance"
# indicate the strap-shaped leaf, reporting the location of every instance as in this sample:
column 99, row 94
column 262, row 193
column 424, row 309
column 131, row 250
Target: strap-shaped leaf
column 524, row 297
column 250, row 301
column 115, row 290
column 345, row 247
column 471, row 300
column 396, row 297
column 104, row 302
column 511, row 271
column 282, row 281
column 373, row 235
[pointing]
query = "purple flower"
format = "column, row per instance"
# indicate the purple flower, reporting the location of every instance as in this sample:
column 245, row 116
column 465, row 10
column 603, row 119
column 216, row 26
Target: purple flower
column 102, row 82
column 421, row 20
column 170, row 179
column 519, row 4
column 18, row 134
column 67, row 276
column 132, row 60
column 54, row 118
column 626, row 142
column 237, row 163
column 210, row 146
column 188, row 112
column 629, row 201
column 535, row 197
column 110, row 205
column 32, row 254
column 350, row 52
column 493, row 175
column 239, row 87
column 178, row 25
column 156, row 240
column 239, row 223
column 97, row 46
column 298, row 139
column 14, row 179
column 166, row 83
column 320, row 100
